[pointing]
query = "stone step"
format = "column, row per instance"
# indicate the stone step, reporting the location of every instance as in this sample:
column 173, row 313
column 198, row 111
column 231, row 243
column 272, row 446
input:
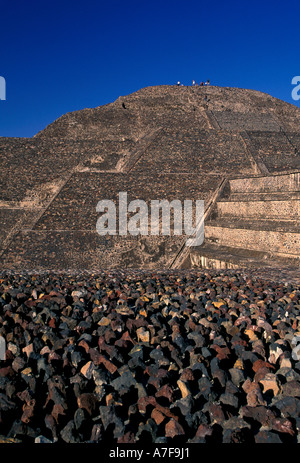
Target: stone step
column 267, row 184
column 214, row 256
column 249, row 223
column 288, row 210
column 282, row 238
column 267, row 196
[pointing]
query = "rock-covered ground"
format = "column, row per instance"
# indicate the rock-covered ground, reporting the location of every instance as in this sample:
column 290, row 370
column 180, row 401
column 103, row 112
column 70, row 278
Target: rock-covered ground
column 165, row 357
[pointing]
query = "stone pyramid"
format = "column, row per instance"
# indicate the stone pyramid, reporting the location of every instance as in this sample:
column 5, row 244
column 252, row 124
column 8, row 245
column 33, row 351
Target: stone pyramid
column 236, row 149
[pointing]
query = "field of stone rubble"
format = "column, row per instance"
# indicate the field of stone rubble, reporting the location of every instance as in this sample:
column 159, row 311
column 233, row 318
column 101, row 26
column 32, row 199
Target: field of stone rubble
column 139, row 357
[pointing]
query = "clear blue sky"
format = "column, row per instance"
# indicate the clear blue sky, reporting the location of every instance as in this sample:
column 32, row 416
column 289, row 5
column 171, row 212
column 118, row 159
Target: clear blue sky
column 63, row 55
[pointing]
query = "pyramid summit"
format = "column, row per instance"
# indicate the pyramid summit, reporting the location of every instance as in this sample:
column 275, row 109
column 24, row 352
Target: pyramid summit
column 235, row 149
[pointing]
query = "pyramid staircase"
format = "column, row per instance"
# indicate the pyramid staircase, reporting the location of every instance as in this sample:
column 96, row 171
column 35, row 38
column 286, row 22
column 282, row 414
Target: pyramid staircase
column 256, row 223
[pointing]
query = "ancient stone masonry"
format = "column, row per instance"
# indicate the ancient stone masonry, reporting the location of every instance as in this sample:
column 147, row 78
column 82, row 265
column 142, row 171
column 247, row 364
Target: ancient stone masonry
column 257, row 224
column 164, row 142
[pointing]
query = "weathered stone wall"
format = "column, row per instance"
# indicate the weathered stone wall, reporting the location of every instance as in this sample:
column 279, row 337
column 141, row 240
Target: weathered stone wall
column 287, row 210
column 75, row 206
column 194, row 150
column 263, row 240
column 266, row 184
column 59, row 250
column 164, row 142
column 231, row 120
column 256, row 225
column 276, row 150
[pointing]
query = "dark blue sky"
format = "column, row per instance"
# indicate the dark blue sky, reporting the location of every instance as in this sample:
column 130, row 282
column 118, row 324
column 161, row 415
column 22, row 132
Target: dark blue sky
column 62, row 55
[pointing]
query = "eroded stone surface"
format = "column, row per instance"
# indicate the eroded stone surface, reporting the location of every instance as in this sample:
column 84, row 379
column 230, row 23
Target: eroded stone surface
column 69, row 378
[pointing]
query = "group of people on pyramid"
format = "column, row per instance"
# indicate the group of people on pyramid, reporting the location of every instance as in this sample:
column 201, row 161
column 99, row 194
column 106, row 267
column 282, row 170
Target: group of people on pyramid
column 194, row 84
